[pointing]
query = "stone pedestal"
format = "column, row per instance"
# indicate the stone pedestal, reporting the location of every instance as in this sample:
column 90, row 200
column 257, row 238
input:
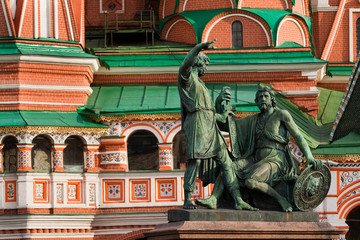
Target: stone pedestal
column 232, row 224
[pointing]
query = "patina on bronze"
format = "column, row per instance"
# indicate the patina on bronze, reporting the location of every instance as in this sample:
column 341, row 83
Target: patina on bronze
column 311, row 187
column 204, row 141
column 262, row 160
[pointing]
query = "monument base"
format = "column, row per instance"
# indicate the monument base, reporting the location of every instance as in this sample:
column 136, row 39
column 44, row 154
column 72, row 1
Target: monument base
column 232, row 224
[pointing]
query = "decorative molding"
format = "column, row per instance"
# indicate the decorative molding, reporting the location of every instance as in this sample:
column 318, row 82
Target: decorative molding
column 49, row 130
column 340, row 158
column 141, row 117
column 47, row 87
column 351, row 34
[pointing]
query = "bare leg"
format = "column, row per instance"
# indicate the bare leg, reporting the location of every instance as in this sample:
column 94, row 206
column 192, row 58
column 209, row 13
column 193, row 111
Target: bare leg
column 265, row 188
column 218, row 190
column 189, row 182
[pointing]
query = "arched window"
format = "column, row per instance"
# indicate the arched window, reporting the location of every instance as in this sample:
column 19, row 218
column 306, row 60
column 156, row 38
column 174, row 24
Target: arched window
column 143, row 151
column 74, row 154
column 237, row 34
column 353, row 220
column 179, row 151
column 41, row 154
column 10, row 154
column 357, row 36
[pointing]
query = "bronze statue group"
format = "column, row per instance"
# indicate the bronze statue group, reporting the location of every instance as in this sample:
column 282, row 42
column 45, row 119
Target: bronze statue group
column 260, row 158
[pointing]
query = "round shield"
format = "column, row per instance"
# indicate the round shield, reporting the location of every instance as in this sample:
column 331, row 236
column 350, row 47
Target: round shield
column 311, row 187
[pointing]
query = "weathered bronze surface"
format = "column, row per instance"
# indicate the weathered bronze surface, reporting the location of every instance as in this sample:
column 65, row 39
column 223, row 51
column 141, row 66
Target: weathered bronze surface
column 311, row 187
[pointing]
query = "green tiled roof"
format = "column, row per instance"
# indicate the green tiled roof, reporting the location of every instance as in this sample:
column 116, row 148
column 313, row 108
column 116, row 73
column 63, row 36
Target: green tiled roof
column 121, row 100
column 350, row 144
column 10, row 48
column 170, row 59
column 45, row 118
column 340, row 71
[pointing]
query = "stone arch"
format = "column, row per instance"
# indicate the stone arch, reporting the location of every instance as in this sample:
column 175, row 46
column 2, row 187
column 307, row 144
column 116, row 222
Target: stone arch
column 349, row 199
column 166, row 8
column 41, row 152
column 9, row 153
column 353, row 220
column 294, row 29
column 142, row 126
column 253, row 26
column 179, row 150
column 143, row 151
column 179, row 29
column 74, row 153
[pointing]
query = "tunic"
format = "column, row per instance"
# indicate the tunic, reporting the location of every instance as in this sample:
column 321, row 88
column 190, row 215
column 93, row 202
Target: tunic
column 203, row 137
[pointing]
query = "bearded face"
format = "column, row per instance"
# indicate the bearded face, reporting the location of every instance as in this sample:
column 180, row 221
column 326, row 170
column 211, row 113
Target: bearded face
column 264, row 101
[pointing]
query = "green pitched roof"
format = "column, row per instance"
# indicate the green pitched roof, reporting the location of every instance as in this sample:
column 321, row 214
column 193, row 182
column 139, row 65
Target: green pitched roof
column 340, row 70
column 10, row 48
column 216, row 58
column 350, row 144
column 329, row 102
column 121, row 100
column 45, row 118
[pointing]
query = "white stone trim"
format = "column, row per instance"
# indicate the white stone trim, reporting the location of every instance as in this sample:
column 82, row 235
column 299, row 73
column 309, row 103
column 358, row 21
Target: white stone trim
column 311, row 75
column 46, row 87
column 312, row 91
column 12, row 4
column 56, row 19
column 240, row 15
column 93, row 63
column 36, row 19
column 22, row 16
column 69, row 20
column 297, row 24
column 6, row 18
column 332, row 38
column 172, row 25
column 304, row 67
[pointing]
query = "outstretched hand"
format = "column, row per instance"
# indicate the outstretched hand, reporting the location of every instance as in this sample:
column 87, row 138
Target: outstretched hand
column 206, row 45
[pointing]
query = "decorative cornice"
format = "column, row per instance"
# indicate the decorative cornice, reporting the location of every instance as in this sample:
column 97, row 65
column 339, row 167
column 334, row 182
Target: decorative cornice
column 43, row 129
column 140, row 117
column 154, row 116
column 340, row 158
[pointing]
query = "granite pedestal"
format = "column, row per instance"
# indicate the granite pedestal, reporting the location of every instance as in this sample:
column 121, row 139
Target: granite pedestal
column 232, row 224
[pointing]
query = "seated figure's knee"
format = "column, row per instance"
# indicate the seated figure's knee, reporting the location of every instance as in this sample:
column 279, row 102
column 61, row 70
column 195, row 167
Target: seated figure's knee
column 250, row 183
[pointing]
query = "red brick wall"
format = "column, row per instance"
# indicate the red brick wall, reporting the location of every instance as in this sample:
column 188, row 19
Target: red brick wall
column 179, row 29
column 190, row 5
column 321, row 26
column 27, row 30
column 166, row 8
column 94, row 19
column 301, row 7
column 274, row 4
column 334, row 2
column 291, row 31
column 4, row 31
column 253, row 34
column 307, row 103
column 44, row 74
